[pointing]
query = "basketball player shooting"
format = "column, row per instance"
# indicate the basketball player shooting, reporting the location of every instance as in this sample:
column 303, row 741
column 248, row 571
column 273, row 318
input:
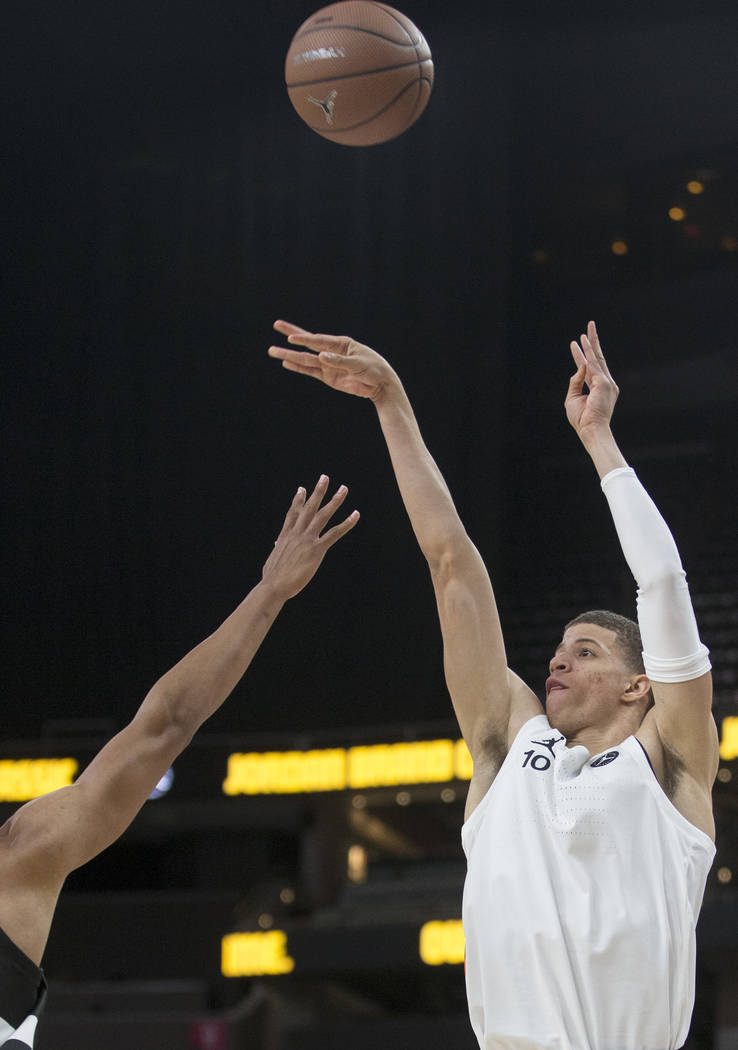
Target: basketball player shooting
column 49, row 837
column 588, row 825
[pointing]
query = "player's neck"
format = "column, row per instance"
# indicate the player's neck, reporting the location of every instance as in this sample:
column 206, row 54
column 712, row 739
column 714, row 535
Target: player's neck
column 597, row 739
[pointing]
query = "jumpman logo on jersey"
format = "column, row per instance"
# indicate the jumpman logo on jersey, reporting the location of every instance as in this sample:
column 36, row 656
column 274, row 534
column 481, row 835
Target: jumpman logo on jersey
column 550, row 743
column 326, row 104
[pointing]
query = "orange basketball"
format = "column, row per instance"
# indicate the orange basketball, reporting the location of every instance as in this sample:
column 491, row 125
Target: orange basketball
column 359, row 72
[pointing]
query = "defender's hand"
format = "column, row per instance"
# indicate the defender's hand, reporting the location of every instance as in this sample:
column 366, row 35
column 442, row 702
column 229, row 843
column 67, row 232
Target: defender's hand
column 337, row 360
column 300, row 548
column 590, row 412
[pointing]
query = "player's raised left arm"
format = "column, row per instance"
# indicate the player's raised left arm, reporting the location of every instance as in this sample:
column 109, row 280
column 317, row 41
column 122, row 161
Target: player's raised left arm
column 675, row 659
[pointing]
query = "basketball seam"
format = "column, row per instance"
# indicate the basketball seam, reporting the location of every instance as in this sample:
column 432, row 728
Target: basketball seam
column 349, row 76
column 368, row 120
column 357, row 29
column 387, row 11
column 391, row 13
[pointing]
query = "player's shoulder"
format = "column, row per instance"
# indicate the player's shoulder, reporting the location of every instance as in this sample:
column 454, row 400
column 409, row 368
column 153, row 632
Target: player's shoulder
column 496, row 737
column 686, row 779
column 681, row 732
column 495, row 746
column 524, row 705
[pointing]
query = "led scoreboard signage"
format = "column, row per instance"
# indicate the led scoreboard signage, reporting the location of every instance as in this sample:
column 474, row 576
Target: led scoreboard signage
column 255, row 954
column 210, row 769
column 729, row 739
column 25, row 778
column 277, row 952
column 341, row 769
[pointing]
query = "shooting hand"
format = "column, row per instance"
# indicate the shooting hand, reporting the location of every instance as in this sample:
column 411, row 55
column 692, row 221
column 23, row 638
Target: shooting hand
column 337, row 360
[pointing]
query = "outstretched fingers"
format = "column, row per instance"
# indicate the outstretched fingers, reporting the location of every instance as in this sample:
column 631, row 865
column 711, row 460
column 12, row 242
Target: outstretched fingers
column 298, row 502
column 300, row 547
column 577, row 381
column 314, row 500
column 590, row 349
column 580, row 358
column 296, row 360
column 332, row 366
column 333, row 535
column 324, row 513
column 287, row 328
column 315, row 341
column 588, row 357
column 594, row 341
column 317, row 515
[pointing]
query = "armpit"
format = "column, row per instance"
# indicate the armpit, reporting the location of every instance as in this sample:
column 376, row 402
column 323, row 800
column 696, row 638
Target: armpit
column 492, row 749
column 674, row 769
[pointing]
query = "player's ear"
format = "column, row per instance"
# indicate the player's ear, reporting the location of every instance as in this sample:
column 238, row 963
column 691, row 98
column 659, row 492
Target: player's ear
column 637, row 688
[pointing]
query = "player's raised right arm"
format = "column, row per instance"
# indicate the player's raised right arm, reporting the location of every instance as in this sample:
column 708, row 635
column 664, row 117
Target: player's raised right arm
column 489, row 700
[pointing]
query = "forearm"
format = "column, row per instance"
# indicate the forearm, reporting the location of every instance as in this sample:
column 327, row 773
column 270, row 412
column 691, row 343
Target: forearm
column 672, row 649
column 424, row 491
column 196, row 687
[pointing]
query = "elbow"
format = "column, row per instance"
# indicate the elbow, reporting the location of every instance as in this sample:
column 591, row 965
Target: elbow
column 443, row 568
column 664, row 576
column 167, row 720
column 448, row 554
column 166, row 743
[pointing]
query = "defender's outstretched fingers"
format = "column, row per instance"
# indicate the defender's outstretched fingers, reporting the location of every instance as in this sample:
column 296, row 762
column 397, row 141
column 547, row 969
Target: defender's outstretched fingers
column 298, row 501
column 334, row 534
column 324, row 514
column 314, row 500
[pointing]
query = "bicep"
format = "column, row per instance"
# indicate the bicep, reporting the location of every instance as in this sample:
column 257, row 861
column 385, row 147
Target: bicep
column 63, row 830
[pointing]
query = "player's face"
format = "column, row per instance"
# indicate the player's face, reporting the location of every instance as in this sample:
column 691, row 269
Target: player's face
column 587, row 676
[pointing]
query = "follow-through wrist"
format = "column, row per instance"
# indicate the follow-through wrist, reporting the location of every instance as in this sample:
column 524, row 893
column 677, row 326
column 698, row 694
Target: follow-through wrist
column 390, row 392
column 600, row 437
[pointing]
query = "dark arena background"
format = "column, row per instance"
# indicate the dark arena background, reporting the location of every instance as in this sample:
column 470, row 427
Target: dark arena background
column 163, row 204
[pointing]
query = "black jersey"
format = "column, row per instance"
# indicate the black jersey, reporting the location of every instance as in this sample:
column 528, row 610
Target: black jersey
column 22, row 996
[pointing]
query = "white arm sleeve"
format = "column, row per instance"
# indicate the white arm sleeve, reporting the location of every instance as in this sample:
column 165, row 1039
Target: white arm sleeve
column 672, row 650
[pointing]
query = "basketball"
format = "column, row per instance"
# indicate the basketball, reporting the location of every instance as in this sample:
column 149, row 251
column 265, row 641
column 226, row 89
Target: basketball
column 358, row 72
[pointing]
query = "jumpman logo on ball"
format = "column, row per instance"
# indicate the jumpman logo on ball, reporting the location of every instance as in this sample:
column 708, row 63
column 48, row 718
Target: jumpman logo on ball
column 326, row 104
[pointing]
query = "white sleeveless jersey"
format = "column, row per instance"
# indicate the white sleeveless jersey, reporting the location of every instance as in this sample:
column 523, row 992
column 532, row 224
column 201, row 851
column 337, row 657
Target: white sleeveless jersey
column 582, row 893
